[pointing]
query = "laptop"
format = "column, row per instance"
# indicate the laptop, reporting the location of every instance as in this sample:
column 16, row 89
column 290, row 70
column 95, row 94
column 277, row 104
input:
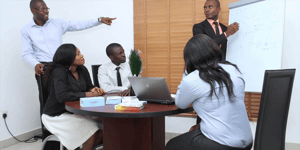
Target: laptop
column 151, row 89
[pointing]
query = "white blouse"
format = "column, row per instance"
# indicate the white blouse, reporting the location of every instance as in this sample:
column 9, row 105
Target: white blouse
column 224, row 118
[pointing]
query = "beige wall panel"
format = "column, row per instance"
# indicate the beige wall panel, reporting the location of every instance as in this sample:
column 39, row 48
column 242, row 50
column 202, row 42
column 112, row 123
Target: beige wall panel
column 157, row 60
column 179, row 44
column 140, row 26
column 181, row 23
column 199, row 11
column 179, row 73
column 161, row 37
column 157, row 38
column 157, row 46
column 177, row 64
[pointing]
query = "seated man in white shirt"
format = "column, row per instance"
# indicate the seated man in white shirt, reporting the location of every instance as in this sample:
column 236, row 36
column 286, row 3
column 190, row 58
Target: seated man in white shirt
column 108, row 73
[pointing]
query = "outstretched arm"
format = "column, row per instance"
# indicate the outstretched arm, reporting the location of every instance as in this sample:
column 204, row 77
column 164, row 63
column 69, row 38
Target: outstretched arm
column 85, row 24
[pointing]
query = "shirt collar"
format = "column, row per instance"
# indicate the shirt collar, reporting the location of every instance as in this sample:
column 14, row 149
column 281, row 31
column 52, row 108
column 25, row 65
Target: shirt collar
column 211, row 22
column 113, row 66
column 33, row 24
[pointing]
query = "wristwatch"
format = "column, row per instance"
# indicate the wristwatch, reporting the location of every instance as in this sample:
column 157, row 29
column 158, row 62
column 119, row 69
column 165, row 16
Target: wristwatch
column 100, row 19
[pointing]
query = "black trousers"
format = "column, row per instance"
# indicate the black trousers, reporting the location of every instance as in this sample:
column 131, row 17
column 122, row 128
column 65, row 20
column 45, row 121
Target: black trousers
column 43, row 94
column 195, row 140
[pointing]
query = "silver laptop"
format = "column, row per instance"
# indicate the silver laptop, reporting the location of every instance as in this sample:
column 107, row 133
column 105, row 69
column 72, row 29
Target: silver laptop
column 151, row 89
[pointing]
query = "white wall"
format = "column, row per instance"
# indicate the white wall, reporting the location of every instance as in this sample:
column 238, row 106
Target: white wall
column 290, row 59
column 18, row 88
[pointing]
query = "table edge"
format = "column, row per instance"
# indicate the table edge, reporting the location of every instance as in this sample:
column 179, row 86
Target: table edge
column 127, row 115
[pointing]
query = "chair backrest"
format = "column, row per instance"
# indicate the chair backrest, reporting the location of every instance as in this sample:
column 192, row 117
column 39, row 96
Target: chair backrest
column 95, row 74
column 273, row 110
column 43, row 93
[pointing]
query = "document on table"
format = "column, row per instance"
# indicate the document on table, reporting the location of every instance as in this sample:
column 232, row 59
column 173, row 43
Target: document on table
column 113, row 100
column 173, row 95
column 129, row 98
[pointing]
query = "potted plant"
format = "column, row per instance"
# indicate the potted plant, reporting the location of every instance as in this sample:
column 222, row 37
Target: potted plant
column 135, row 62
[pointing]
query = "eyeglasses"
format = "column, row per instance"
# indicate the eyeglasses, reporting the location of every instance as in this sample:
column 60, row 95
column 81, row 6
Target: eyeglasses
column 43, row 9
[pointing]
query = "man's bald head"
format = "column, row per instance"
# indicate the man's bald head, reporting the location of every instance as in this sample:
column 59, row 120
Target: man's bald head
column 217, row 2
column 33, row 2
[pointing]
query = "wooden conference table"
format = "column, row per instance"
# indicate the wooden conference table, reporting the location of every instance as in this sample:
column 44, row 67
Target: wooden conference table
column 142, row 130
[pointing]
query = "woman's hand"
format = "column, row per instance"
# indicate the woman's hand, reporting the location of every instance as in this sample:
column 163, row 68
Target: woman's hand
column 101, row 91
column 98, row 90
column 95, row 92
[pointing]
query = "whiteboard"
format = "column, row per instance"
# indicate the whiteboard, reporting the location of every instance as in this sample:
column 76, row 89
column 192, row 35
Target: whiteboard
column 257, row 46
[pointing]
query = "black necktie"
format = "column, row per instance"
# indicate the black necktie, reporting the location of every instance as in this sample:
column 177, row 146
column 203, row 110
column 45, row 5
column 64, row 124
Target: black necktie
column 217, row 28
column 119, row 77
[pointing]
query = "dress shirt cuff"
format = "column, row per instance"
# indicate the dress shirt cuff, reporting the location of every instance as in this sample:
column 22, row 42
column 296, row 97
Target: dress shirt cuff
column 95, row 23
column 33, row 64
column 225, row 34
column 36, row 64
column 98, row 21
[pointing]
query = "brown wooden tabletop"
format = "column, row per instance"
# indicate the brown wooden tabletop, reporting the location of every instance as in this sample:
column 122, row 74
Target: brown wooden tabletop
column 108, row 111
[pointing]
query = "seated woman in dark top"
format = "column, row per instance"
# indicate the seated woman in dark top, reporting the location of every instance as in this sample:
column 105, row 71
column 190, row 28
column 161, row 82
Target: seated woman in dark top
column 216, row 91
column 69, row 80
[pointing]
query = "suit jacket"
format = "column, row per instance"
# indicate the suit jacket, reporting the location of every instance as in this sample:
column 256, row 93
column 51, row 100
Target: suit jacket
column 205, row 28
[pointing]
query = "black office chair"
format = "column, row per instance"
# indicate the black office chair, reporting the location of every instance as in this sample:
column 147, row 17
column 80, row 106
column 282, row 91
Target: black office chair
column 274, row 109
column 95, row 75
column 54, row 143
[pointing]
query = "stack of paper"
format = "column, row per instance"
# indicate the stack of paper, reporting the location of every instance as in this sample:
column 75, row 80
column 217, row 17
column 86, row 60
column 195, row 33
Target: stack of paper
column 173, row 96
column 129, row 98
column 131, row 105
column 113, row 100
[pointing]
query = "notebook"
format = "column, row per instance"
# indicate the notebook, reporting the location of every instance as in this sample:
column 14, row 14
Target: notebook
column 151, row 89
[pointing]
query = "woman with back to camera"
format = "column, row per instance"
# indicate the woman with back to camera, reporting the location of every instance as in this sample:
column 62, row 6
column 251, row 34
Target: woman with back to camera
column 216, row 91
column 69, row 80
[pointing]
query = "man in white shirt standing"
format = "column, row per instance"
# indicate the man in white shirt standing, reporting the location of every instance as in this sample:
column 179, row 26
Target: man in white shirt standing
column 113, row 76
column 43, row 35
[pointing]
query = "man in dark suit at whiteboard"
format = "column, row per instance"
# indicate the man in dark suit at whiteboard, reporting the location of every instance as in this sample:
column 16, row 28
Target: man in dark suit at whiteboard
column 212, row 27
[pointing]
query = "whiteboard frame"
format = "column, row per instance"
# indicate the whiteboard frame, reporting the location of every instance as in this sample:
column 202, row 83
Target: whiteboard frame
column 242, row 3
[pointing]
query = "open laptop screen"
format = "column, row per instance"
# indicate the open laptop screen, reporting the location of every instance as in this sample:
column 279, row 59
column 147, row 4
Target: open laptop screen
column 153, row 88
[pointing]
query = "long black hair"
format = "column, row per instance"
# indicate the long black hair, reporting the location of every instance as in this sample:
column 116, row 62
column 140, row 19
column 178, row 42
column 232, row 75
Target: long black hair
column 203, row 54
column 63, row 57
